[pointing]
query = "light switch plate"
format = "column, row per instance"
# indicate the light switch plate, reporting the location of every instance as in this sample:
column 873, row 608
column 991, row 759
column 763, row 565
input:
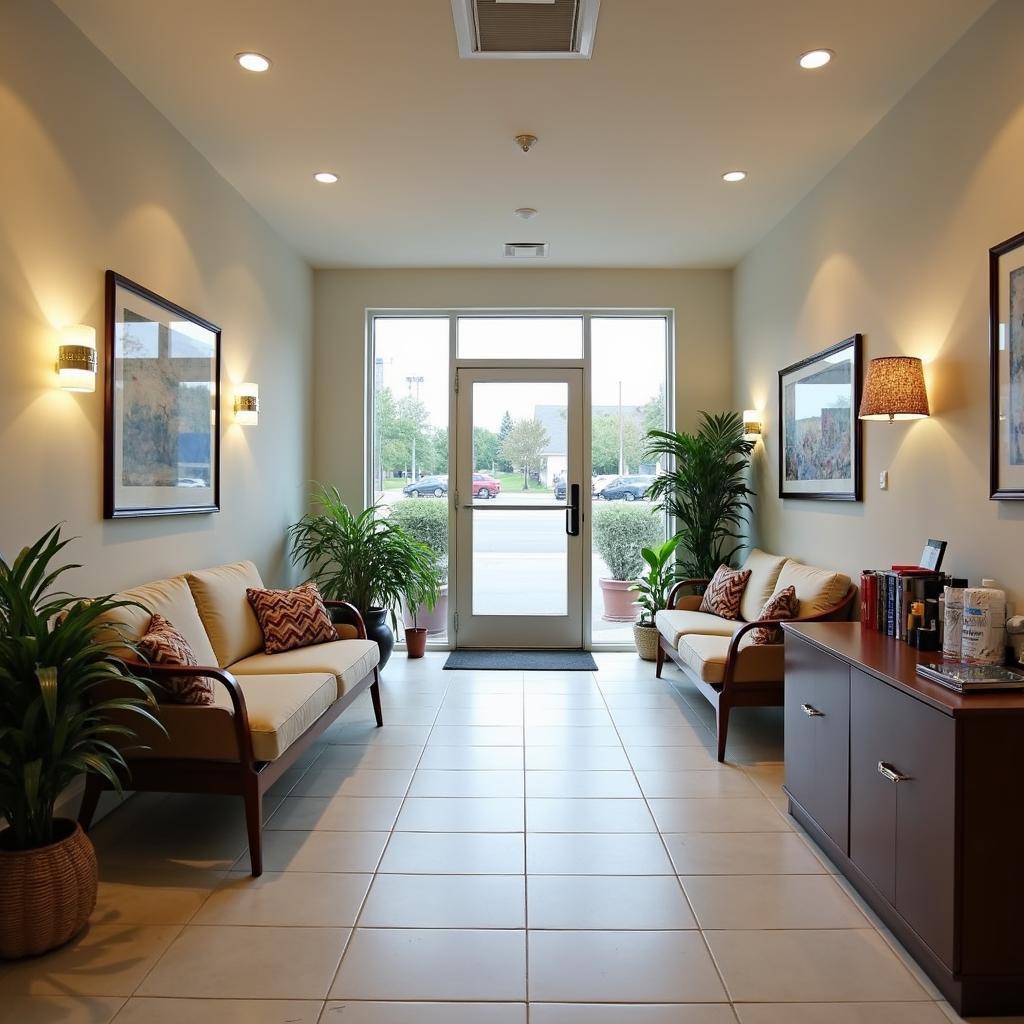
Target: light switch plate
column 883, row 480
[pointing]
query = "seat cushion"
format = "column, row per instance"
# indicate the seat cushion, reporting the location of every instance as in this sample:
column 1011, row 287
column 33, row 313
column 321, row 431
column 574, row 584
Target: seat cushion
column 280, row 708
column 348, row 660
column 230, row 622
column 172, row 599
column 764, row 574
column 817, row 590
column 674, row 624
column 724, row 592
column 705, row 656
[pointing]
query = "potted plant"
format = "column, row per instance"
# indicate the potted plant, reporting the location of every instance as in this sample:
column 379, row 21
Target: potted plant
column 56, row 665
column 705, row 489
column 365, row 559
column 427, row 521
column 422, row 593
column 652, row 590
column 621, row 531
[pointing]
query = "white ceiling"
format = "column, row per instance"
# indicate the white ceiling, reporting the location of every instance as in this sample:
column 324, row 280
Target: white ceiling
column 632, row 143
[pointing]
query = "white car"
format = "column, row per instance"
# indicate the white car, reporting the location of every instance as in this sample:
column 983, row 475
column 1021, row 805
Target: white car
column 598, row 483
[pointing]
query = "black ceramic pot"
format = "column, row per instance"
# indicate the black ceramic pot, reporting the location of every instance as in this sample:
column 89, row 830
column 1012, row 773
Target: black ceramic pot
column 377, row 628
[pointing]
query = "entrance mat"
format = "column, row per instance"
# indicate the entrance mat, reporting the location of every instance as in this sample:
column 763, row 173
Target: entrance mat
column 520, row 661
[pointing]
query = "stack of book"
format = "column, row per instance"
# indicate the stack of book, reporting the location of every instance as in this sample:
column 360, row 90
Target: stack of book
column 886, row 597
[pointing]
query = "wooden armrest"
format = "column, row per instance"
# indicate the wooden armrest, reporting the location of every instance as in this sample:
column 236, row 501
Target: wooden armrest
column 679, row 587
column 349, row 614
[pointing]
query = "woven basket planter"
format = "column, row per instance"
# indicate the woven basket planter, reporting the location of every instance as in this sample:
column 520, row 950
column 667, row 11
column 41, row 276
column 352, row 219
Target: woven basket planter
column 646, row 640
column 47, row 894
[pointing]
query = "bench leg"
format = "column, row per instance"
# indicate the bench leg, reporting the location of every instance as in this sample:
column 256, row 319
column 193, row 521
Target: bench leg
column 254, row 824
column 661, row 660
column 722, row 718
column 90, row 798
column 375, row 697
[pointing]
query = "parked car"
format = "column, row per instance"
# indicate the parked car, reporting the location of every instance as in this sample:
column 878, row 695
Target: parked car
column 437, row 486
column 560, row 489
column 485, row 486
column 626, row 488
column 598, row 483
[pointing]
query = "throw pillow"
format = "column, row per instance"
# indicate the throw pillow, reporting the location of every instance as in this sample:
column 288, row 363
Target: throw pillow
column 291, row 618
column 781, row 605
column 722, row 598
column 164, row 645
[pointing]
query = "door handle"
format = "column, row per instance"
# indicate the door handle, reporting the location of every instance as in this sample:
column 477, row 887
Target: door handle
column 572, row 511
column 887, row 771
column 811, row 711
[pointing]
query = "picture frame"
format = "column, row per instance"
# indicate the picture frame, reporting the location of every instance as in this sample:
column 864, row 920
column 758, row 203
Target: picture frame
column 1006, row 367
column 819, row 432
column 162, row 406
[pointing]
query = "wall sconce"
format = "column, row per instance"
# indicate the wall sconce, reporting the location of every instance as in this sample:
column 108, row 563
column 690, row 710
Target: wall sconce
column 76, row 358
column 247, row 404
column 751, row 423
column 894, row 390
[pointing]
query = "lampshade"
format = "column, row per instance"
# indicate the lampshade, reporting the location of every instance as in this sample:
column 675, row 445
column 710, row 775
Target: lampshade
column 247, row 404
column 76, row 358
column 894, row 390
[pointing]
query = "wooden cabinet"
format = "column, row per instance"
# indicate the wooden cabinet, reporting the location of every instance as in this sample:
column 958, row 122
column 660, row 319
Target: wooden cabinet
column 911, row 791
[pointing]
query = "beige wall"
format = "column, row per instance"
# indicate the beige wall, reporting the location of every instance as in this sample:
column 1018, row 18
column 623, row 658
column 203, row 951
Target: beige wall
column 894, row 244
column 93, row 177
column 702, row 300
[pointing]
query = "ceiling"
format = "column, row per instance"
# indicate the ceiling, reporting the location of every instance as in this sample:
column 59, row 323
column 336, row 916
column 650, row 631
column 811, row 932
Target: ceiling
column 632, row 143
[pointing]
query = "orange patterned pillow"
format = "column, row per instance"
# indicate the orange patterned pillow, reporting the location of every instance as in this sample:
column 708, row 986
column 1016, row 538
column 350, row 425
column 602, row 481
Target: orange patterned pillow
column 781, row 605
column 164, row 645
column 725, row 592
column 291, row 618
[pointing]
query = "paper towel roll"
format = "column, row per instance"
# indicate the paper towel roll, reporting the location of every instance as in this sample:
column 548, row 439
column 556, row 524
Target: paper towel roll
column 983, row 634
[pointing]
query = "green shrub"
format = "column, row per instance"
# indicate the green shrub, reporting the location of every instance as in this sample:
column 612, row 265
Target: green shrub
column 427, row 521
column 621, row 530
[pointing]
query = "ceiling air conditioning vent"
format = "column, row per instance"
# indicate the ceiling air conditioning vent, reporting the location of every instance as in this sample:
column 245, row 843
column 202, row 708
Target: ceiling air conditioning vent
column 526, row 29
column 526, row 250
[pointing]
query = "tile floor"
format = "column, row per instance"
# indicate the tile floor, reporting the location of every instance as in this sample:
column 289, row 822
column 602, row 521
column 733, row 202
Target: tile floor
column 551, row 848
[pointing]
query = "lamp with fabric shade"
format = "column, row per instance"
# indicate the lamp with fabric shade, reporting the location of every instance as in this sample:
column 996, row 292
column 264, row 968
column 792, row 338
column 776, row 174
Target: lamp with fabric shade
column 894, row 390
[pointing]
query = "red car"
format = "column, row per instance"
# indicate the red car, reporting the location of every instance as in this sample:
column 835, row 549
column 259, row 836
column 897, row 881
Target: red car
column 485, row 486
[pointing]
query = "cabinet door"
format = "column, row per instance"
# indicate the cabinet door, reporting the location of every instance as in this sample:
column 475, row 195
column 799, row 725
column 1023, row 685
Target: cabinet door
column 817, row 736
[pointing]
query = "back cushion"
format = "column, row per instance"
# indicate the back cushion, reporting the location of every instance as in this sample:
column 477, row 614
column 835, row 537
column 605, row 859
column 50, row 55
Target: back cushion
column 232, row 625
column 764, row 575
column 817, row 590
column 172, row 599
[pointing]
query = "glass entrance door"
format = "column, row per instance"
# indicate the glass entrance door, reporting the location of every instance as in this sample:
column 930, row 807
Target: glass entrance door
column 520, row 505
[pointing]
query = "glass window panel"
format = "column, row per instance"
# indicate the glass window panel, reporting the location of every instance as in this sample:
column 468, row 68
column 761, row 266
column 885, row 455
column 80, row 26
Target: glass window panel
column 520, row 337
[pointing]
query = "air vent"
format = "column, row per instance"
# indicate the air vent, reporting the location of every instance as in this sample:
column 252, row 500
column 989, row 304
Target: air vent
column 526, row 29
column 526, row 250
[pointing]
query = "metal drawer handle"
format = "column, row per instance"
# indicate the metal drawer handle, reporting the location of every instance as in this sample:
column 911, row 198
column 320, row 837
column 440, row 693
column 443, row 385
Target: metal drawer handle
column 887, row 771
column 811, row 711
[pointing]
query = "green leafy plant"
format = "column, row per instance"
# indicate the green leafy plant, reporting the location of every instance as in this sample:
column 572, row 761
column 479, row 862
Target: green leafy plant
column 621, row 532
column 364, row 558
column 705, row 489
column 57, row 663
column 654, row 585
column 427, row 522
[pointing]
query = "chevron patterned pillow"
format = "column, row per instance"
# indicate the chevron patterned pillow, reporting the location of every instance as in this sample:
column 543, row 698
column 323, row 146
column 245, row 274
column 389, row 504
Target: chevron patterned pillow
column 291, row 618
column 725, row 591
column 781, row 605
column 164, row 645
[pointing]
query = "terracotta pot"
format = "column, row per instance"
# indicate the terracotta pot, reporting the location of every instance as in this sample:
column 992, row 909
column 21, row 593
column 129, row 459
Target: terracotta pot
column 646, row 640
column 46, row 894
column 619, row 600
column 416, row 641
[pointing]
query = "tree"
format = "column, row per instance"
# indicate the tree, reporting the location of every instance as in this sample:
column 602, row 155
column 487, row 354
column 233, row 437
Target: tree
column 485, row 448
column 605, row 444
column 506, row 425
column 652, row 413
column 523, row 446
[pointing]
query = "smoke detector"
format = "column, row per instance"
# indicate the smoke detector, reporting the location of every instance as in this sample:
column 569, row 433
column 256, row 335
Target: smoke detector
column 526, row 250
column 525, row 212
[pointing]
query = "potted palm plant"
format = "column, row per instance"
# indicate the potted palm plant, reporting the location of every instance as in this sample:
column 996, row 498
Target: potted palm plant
column 704, row 489
column 365, row 559
column 652, row 592
column 621, row 532
column 59, row 677
column 422, row 593
column 427, row 521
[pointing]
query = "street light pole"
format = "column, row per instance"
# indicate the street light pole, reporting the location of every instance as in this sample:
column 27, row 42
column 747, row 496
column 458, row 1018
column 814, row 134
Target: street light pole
column 417, row 381
column 622, row 468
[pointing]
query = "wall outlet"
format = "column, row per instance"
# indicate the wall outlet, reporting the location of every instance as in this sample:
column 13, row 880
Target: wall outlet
column 883, row 480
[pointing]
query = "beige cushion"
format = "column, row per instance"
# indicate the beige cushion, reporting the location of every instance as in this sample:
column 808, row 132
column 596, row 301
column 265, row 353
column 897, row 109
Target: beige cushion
column 172, row 599
column 280, row 708
column 674, row 624
column 705, row 656
column 764, row 574
column 349, row 660
column 817, row 590
column 230, row 621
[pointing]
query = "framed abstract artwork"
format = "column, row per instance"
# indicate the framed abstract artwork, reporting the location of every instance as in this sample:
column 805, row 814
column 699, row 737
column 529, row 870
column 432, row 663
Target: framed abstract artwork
column 819, row 433
column 162, row 422
column 1006, row 365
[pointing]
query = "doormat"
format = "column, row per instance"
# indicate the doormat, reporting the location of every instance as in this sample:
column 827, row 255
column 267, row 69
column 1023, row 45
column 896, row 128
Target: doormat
column 522, row 661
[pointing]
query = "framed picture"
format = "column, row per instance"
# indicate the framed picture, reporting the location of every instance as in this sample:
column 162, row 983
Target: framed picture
column 162, row 424
column 1006, row 364
column 819, row 433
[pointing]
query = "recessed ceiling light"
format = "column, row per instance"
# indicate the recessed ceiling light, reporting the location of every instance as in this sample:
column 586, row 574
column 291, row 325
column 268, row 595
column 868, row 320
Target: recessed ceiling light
column 253, row 61
column 734, row 175
column 815, row 59
column 326, row 177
